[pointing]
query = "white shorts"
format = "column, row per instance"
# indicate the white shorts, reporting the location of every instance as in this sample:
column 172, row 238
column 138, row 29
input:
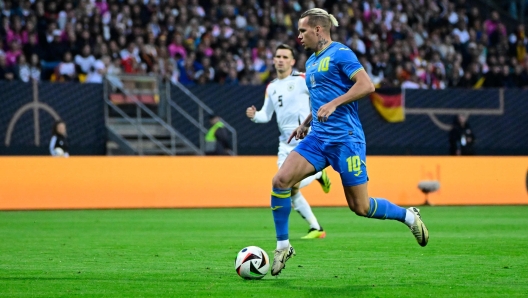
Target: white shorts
column 284, row 151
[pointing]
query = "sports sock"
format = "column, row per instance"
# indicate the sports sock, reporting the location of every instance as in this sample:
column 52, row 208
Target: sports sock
column 282, row 244
column 281, row 208
column 409, row 218
column 383, row 209
column 306, row 181
column 301, row 205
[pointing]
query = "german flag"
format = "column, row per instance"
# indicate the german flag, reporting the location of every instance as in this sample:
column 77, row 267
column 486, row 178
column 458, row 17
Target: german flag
column 389, row 103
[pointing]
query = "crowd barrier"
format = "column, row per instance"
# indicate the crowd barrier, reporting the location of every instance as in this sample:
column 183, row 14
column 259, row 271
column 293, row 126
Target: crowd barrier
column 203, row 182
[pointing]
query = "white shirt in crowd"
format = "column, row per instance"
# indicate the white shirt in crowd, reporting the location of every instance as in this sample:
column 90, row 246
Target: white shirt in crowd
column 96, row 75
column 85, row 63
column 67, row 68
column 463, row 35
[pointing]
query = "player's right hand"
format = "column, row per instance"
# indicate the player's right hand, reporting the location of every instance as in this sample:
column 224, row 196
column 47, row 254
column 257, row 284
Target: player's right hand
column 250, row 112
column 299, row 133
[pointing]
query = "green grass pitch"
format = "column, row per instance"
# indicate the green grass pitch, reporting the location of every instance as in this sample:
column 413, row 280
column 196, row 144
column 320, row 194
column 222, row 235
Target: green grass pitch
column 472, row 252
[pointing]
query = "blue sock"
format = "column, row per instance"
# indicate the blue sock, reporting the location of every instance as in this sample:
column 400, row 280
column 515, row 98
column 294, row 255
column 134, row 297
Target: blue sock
column 383, row 209
column 281, row 207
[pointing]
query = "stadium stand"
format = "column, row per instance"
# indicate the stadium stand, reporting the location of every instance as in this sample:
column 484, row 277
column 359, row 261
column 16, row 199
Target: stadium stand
column 408, row 43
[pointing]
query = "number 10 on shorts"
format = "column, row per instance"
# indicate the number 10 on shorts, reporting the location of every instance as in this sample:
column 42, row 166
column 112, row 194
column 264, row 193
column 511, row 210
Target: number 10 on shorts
column 354, row 164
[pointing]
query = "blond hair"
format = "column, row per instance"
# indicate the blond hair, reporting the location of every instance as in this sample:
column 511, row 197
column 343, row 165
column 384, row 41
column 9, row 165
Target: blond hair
column 321, row 17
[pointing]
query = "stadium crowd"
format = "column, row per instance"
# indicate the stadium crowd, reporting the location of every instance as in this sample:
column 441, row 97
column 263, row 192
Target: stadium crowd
column 409, row 43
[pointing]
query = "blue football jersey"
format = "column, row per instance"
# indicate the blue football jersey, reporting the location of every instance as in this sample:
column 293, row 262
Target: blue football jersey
column 328, row 76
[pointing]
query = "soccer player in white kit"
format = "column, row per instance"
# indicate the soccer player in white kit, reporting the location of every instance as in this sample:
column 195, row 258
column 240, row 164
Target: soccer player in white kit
column 288, row 96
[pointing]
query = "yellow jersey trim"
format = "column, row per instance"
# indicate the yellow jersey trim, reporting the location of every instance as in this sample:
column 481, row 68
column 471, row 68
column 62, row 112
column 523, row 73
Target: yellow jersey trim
column 375, row 208
column 355, row 72
column 323, row 49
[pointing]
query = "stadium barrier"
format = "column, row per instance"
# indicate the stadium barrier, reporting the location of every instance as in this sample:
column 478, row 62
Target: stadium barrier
column 27, row 117
column 189, row 182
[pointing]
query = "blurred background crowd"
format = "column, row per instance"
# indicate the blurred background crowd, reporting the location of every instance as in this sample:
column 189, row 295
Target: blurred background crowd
column 408, row 43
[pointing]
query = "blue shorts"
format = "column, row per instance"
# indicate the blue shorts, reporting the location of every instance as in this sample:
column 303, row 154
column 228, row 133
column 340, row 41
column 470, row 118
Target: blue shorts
column 346, row 157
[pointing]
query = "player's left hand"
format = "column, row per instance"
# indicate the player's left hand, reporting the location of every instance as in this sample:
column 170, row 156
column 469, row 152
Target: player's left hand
column 325, row 111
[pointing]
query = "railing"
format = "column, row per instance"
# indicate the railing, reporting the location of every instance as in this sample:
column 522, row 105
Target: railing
column 199, row 124
column 137, row 123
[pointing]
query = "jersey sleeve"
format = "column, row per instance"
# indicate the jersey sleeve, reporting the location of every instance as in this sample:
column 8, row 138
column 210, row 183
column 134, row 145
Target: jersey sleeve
column 265, row 114
column 53, row 141
column 347, row 62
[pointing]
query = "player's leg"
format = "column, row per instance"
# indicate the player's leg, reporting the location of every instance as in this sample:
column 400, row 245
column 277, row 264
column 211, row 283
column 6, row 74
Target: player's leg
column 298, row 201
column 359, row 201
column 299, row 164
column 321, row 177
column 352, row 167
column 303, row 208
column 306, row 181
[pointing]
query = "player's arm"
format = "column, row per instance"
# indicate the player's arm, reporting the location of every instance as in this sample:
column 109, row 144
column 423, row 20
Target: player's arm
column 301, row 131
column 264, row 115
column 362, row 87
column 52, row 145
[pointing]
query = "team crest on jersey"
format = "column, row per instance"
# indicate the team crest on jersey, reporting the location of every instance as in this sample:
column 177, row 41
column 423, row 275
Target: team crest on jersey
column 291, row 86
column 312, row 80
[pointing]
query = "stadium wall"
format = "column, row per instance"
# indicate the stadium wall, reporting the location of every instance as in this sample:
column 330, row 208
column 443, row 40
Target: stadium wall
column 203, row 182
column 30, row 110
column 499, row 119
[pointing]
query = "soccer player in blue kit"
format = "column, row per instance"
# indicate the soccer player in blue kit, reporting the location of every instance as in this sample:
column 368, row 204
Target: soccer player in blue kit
column 336, row 80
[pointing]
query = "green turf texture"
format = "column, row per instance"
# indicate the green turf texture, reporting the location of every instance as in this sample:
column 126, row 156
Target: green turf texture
column 473, row 252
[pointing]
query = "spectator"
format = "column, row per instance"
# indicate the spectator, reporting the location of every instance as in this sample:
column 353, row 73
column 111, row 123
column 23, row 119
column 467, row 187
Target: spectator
column 187, row 68
column 387, row 33
column 6, row 72
column 34, row 67
column 207, row 73
column 115, row 67
column 98, row 70
column 507, row 80
column 461, row 32
column 13, row 53
column 493, row 24
column 59, row 140
column 33, row 47
column 461, row 137
column 412, row 83
column 232, row 78
column 176, row 47
column 520, row 77
column 66, row 69
column 130, row 58
column 494, row 77
column 84, row 61
column 16, row 33
column 55, row 49
column 217, row 138
column 23, row 69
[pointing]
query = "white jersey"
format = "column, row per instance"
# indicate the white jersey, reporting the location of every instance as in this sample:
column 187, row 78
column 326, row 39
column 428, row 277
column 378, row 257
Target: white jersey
column 290, row 99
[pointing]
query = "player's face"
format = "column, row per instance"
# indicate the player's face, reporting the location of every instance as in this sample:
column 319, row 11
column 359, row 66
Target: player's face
column 283, row 60
column 61, row 128
column 307, row 35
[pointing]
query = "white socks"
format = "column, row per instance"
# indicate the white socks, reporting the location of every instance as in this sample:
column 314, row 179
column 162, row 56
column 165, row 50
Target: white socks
column 409, row 218
column 282, row 244
column 306, row 181
column 301, row 205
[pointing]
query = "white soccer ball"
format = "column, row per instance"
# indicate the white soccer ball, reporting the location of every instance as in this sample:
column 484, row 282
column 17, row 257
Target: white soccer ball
column 59, row 151
column 252, row 262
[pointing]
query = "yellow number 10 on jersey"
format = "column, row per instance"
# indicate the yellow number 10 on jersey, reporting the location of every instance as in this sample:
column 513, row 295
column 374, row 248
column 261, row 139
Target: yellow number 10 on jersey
column 354, row 164
column 323, row 65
